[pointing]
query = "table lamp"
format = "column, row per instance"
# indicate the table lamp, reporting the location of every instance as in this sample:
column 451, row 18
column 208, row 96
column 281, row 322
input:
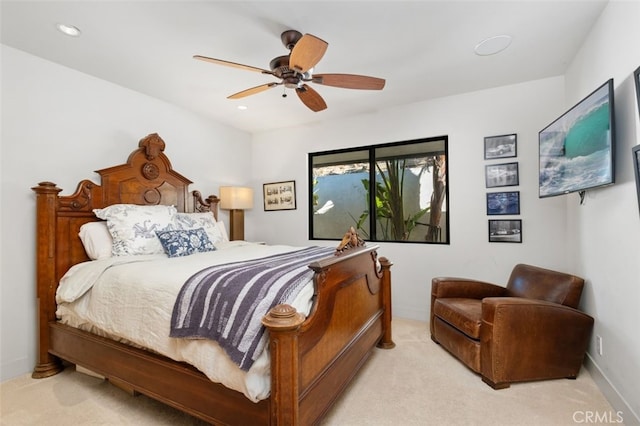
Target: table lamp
column 236, row 199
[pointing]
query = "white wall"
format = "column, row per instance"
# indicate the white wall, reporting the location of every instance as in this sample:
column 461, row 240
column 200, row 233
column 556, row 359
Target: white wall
column 59, row 125
column 605, row 231
column 523, row 109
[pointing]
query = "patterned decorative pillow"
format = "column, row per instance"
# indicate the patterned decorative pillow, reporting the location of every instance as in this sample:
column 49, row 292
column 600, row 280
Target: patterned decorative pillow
column 185, row 242
column 133, row 228
column 186, row 221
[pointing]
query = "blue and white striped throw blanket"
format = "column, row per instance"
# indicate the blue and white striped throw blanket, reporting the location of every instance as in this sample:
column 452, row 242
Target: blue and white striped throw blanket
column 226, row 303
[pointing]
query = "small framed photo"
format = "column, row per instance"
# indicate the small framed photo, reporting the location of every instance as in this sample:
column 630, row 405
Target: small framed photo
column 635, row 154
column 279, row 195
column 500, row 203
column 505, row 174
column 503, row 146
column 505, row 231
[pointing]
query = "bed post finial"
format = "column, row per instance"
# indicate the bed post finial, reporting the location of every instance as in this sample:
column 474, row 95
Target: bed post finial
column 283, row 323
column 386, row 342
column 153, row 145
column 46, row 282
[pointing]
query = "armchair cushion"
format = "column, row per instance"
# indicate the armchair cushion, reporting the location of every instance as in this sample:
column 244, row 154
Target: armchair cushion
column 463, row 314
column 444, row 288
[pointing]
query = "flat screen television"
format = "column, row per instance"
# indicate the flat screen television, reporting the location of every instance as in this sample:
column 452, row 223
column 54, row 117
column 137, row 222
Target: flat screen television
column 577, row 150
column 636, row 78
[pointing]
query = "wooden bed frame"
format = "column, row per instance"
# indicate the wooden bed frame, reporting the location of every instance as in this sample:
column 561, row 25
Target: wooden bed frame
column 313, row 359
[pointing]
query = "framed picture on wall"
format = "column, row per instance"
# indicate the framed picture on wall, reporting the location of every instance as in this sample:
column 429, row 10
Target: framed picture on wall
column 505, row 174
column 279, row 195
column 499, row 203
column 505, row 231
column 635, row 154
column 503, row 146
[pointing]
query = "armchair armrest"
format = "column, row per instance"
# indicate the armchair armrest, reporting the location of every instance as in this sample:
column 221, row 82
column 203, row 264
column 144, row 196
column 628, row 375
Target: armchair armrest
column 464, row 288
column 530, row 339
column 442, row 287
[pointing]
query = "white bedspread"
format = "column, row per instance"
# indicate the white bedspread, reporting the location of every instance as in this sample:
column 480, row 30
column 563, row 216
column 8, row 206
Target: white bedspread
column 131, row 299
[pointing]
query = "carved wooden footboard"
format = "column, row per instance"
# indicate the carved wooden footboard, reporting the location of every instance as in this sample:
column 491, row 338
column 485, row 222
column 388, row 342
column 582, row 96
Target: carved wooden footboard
column 312, row 359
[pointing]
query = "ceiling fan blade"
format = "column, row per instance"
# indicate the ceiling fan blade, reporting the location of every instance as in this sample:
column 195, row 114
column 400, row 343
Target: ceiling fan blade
column 349, row 81
column 253, row 90
column 307, row 53
column 311, row 98
column 231, row 64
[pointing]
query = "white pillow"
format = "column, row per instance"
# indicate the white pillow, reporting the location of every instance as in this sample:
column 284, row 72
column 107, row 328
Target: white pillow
column 96, row 240
column 191, row 221
column 223, row 231
column 133, row 228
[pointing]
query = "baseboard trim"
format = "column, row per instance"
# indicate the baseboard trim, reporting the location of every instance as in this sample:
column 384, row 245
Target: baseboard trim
column 610, row 392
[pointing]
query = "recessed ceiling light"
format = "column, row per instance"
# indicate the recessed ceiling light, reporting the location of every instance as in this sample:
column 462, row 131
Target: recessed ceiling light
column 69, row 30
column 493, row 45
column 242, row 107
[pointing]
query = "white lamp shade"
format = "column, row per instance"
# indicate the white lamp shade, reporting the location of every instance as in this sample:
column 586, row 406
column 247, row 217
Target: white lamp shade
column 236, row 198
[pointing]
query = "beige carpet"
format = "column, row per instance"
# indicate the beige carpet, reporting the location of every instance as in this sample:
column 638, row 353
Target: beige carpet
column 417, row 383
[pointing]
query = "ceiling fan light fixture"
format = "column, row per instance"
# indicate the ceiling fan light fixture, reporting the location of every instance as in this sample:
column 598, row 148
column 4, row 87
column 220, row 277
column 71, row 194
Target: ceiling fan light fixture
column 493, row 45
column 296, row 69
column 70, row 30
column 292, row 82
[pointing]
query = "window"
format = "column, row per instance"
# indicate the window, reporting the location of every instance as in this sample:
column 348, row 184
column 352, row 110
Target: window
column 408, row 200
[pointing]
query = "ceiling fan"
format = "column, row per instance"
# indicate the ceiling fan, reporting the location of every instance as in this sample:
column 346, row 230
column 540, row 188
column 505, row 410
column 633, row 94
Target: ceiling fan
column 295, row 70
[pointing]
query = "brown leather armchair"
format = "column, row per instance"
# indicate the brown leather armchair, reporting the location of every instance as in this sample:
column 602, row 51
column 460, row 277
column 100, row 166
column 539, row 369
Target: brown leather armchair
column 529, row 330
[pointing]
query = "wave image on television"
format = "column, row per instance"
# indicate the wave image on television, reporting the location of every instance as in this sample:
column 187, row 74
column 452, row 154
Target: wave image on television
column 576, row 150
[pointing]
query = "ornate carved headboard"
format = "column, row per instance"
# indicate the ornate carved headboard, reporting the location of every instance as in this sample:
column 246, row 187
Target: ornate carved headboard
column 147, row 178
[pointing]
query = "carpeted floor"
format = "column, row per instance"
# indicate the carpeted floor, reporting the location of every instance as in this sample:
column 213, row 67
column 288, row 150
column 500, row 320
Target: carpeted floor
column 417, row 383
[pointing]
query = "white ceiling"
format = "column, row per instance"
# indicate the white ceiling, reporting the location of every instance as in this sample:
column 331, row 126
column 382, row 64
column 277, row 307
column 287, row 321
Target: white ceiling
column 424, row 49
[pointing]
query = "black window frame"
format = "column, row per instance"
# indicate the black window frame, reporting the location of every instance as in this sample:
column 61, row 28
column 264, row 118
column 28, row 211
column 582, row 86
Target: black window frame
column 371, row 150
